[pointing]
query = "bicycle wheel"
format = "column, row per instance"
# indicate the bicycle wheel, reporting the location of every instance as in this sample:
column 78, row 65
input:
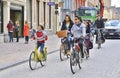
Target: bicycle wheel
column 33, row 61
column 78, row 60
column 80, row 57
column 74, row 62
column 99, row 45
column 85, row 51
column 62, row 52
column 43, row 60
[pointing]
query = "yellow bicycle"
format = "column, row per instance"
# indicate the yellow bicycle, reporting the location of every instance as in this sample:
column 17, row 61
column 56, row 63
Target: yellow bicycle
column 37, row 57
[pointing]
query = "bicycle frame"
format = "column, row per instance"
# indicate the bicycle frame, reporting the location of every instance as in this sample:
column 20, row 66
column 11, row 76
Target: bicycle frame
column 76, row 45
column 99, row 36
column 38, row 54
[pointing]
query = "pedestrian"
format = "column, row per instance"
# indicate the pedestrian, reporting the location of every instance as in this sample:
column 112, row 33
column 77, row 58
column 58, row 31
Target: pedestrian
column 10, row 30
column 17, row 28
column 67, row 25
column 26, row 32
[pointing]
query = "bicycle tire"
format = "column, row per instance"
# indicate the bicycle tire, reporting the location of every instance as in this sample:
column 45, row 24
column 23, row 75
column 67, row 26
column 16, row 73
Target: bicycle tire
column 43, row 62
column 99, row 45
column 32, row 58
column 62, row 52
column 80, row 56
column 74, row 63
column 79, row 61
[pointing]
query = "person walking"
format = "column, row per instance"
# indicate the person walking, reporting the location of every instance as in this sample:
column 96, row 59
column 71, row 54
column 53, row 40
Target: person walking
column 10, row 30
column 17, row 27
column 26, row 32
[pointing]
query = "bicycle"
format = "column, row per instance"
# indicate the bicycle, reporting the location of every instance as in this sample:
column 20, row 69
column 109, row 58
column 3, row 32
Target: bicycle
column 63, row 49
column 85, row 50
column 37, row 57
column 99, row 38
column 75, row 56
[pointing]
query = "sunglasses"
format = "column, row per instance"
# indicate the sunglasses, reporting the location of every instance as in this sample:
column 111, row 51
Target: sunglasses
column 76, row 19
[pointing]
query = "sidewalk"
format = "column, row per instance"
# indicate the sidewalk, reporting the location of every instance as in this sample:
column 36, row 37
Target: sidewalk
column 15, row 53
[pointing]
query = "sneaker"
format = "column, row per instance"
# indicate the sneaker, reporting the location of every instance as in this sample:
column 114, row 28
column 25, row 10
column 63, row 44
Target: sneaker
column 68, row 52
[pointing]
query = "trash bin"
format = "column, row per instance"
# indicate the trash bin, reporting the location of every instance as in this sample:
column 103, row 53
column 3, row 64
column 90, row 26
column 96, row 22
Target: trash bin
column 1, row 38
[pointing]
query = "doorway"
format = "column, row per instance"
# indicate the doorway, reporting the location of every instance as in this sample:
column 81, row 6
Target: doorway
column 18, row 15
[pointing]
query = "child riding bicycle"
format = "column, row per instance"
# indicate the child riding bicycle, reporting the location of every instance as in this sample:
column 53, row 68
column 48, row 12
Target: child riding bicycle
column 41, row 37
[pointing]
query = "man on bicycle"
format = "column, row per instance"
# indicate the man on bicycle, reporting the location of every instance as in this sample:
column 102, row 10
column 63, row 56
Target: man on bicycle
column 99, row 24
column 79, row 32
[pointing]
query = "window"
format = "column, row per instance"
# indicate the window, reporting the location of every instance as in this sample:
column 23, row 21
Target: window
column 83, row 12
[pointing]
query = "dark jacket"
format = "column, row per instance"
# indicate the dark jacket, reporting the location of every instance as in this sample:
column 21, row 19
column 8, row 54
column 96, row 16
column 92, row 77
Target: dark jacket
column 10, row 27
column 16, row 28
column 88, row 29
column 64, row 27
column 99, row 23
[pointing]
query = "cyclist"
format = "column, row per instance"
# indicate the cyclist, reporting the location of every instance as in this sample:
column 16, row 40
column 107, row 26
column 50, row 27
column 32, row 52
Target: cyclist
column 87, row 39
column 99, row 24
column 79, row 32
column 67, row 25
column 41, row 37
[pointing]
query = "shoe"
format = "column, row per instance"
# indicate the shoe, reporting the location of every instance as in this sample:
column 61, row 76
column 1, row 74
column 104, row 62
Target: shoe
column 68, row 52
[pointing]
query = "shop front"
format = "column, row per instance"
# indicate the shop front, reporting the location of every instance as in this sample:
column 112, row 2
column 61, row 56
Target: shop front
column 17, row 15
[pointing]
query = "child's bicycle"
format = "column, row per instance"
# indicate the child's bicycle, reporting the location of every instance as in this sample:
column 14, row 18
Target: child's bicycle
column 37, row 57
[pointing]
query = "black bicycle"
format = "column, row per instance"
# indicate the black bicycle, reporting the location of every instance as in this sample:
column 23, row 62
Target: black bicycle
column 75, row 56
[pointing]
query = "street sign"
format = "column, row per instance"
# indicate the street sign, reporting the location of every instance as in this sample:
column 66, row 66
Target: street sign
column 51, row 3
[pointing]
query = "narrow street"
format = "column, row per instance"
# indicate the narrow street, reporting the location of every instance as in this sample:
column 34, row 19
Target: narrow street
column 103, row 63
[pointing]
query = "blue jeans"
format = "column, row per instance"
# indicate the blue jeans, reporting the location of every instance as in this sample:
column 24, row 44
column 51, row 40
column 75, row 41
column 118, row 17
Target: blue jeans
column 41, row 45
column 10, row 36
column 69, row 41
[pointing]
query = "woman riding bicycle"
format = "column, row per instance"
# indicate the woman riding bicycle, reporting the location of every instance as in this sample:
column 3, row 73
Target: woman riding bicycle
column 79, row 32
column 87, row 39
column 41, row 37
column 67, row 25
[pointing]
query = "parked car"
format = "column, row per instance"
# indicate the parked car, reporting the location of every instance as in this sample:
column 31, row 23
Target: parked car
column 112, row 29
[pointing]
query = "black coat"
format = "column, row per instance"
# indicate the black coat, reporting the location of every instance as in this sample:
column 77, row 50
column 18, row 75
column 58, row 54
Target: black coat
column 64, row 27
column 99, row 23
column 88, row 29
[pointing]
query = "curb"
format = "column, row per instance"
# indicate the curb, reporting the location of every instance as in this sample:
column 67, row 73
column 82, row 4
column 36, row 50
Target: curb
column 21, row 62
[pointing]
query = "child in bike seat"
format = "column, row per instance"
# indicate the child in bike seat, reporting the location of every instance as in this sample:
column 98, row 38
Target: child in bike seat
column 41, row 37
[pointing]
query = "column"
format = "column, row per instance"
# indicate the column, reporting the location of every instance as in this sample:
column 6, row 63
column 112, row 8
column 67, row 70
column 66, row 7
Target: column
column 6, row 18
column 6, row 15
